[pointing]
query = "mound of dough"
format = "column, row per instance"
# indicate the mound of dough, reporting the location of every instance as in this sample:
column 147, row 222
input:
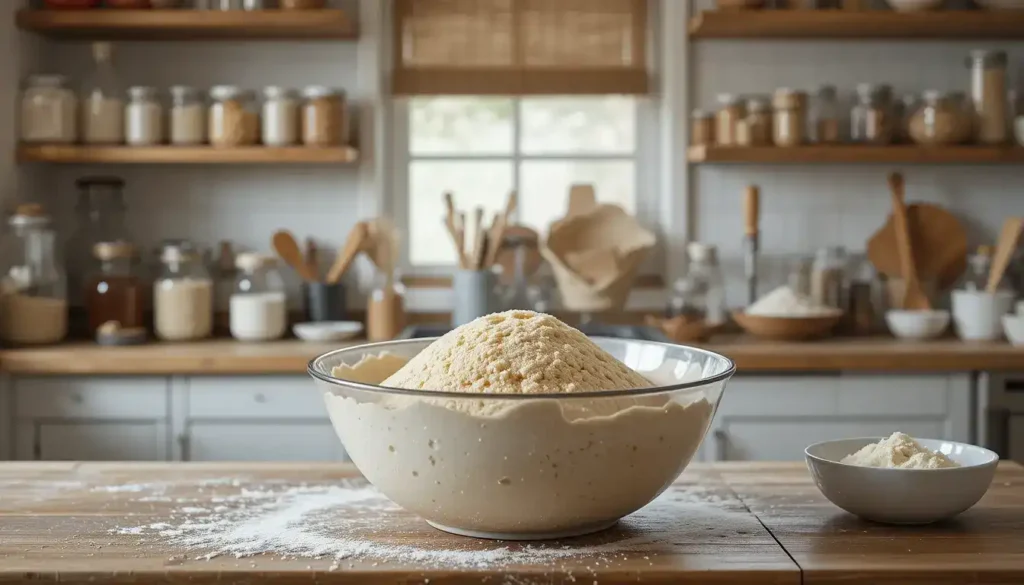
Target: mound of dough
column 515, row 352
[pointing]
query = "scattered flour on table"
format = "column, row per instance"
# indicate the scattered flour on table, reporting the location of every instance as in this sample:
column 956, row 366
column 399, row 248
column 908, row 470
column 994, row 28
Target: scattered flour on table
column 784, row 302
column 899, row 451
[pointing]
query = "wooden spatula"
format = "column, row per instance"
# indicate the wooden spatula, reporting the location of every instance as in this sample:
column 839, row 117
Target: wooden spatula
column 913, row 296
column 1004, row 252
column 288, row 249
column 353, row 245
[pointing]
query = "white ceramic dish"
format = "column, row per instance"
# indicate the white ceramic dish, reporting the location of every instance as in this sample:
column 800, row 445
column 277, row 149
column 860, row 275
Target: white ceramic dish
column 327, row 330
column 916, row 324
column 978, row 314
column 522, row 467
column 1013, row 327
column 914, row 5
column 902, row 496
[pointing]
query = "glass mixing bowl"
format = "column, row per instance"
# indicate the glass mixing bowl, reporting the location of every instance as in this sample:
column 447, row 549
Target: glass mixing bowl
column 523, row 467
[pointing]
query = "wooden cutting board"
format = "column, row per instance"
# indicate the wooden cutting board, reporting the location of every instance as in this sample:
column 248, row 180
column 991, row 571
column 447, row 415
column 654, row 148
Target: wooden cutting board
column 939, row 242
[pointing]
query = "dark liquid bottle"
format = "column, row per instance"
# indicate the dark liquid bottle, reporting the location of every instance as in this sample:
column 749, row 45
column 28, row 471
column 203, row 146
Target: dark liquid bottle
column 114, row 293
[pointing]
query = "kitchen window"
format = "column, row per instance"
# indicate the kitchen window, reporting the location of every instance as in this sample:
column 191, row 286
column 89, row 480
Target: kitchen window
column 479, row 148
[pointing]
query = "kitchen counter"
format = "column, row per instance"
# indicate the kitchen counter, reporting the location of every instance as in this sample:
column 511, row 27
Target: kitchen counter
column 729, row 523
column 291, row 357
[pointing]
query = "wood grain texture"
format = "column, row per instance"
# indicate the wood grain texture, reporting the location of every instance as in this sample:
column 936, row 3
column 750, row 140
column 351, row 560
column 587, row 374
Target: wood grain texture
column 856, row 154
column 58, row 524
column 186, row 25
column 871, row 24
column 983, row 545
column 73, row 154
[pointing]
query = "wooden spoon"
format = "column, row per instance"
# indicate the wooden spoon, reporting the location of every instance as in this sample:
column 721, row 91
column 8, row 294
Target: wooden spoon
column 288, row 249
column 913, row 296
column 1004, row 252
column 353, row 245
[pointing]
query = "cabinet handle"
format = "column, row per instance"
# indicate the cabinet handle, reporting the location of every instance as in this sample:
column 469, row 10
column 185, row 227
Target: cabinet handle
column 721, row 445
column 183, row 445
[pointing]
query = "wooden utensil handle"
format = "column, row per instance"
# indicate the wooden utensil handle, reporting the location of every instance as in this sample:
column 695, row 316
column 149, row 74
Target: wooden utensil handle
column 751, row 210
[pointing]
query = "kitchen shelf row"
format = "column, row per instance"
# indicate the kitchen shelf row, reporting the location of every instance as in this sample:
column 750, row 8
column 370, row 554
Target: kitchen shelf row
column 838, row 154
column 186, row 155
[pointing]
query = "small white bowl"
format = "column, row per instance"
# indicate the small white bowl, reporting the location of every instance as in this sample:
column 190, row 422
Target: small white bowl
column 902, row 496
column 1013, row 327
column 327, row 330
column 907, row 324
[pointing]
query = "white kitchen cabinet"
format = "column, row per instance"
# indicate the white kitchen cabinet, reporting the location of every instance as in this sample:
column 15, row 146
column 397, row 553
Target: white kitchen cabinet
column 764, row 418
column 92, row 441
column 255, row 441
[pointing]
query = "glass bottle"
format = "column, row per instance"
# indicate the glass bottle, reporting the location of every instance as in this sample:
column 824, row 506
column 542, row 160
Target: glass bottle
column 828, row 276
column 258, row 305
column 869, row 118
column 825, row 116
column 100, row 214
column 101, row 101
column 115, row 292
column 989, row 96
column 688, row 300
column 33, row 301
column 707, row 276
column 799, row 278
column 182, row 295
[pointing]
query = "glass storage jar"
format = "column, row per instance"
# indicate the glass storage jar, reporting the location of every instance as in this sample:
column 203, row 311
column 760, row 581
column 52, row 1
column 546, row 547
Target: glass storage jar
column 730, row 111
column 936, row 121
column 965, row 128
column 102, row 103
column 869, row 118
column 828, row 277
column 790, row 117
column 258, row 305
column 188, row 116
column 100, row 214
column 907, row 106
column 324, row 116
column 143, row 117
column 280, row 120
column 182, row 295
column 115, row 292
column 825, row 116
column 33, row 301
column 988, row 94
column 756, row 128
column 702, row 128
column 49, row 111
column 706, row 277
column 233, row 119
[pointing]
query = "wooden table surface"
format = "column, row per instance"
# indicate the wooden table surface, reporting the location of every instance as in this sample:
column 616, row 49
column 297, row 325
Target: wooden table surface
column 726, row 523
column 291, row 357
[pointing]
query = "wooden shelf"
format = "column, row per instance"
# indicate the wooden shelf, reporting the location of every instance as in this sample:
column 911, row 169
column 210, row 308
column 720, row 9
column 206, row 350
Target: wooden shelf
column 186, row 155
column 857, row 154
column 872, row 24
column 162, row 25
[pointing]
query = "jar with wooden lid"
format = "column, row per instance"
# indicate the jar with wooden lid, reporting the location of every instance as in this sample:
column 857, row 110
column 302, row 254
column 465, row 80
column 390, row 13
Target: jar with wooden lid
column 790, row 117
column 825, row 116
column 182, row 295
column 33, row 288
column 731, row 110
column 324, row 116
column 232, row 119
column 869, row 118
column 702, row 128
column 117, row 290
column 756, row 128
column 936, row 121
column 989, row 96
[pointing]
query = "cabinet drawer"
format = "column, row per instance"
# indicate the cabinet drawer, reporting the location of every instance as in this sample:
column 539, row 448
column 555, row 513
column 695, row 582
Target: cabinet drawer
column 265, row 397
column 263, row 442
column 108, row 441
column 92, row 398
column 894, row 395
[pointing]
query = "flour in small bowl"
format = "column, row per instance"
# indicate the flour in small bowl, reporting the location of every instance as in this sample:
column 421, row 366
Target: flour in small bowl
column 785, row 302
column 899, row 451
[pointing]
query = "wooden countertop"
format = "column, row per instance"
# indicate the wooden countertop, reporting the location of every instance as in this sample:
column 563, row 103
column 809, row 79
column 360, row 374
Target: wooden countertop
column 291, row 357
column 727, row 523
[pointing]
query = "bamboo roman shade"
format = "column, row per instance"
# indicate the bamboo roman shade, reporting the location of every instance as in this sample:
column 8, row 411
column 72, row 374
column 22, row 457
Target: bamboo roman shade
column 520, row 47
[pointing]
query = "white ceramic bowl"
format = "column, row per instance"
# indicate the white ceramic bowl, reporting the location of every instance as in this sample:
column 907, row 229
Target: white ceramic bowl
column 914, row 5
column 526, row 466
column 916, row 324
column 902, row 496
column 327, row 330
column 978, row 314
column 1013, row 327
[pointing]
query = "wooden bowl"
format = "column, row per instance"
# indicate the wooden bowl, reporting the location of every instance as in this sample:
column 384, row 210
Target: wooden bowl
column 787, row 328
column 680, row 329
column 740, row 4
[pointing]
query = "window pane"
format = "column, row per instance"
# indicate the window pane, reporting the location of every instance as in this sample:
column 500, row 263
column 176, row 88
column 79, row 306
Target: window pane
column 460, row 125
column 471, row 182
column 545, row 186
column 599, row 125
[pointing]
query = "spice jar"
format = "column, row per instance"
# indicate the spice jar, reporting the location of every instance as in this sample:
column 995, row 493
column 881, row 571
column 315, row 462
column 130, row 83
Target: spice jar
column 730, row 111
column 869, row 118
column 702, row 128
column 790, row 117
column 233, row 120
column 323, row 116
column 116, row 291
column 756, row 128
column 936, row 121
column 143, row 117
column 49, row 110
column 258, row 305
column 188, row 116
column 280, row 121
column 825, row 116
column 182, row 295
column 988, row 93
column 33, row 301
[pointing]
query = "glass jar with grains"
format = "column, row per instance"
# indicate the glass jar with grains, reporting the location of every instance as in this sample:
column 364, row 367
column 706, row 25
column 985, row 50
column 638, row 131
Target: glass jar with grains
column 936, row 121
column 143, row 117
column 825, row 115
column 258, row 305
column 280, row 121
column 182, row 295
column 49, row 110
column 731, row 110
column 116, row 291
column 188, row 116
column 869, row 118
column 233, row 119
column 324, row 116
column 790, row 117
column 33, row 291
column 988, row 94
column 702, row 128
column 756, row 128
column 102, row 103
